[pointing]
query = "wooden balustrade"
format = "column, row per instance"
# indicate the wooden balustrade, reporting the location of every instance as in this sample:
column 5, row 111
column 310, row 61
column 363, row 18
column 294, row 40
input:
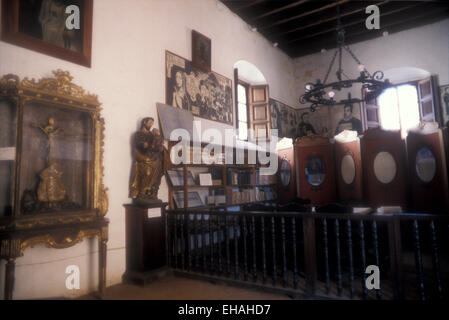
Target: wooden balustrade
column 315, row 254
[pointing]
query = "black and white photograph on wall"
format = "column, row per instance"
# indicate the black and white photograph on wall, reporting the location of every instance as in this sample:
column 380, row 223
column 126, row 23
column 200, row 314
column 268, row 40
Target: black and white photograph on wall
column 444, row 98
column 346, row 117
column 206, row 94
column 283, row 118
column 316, row 122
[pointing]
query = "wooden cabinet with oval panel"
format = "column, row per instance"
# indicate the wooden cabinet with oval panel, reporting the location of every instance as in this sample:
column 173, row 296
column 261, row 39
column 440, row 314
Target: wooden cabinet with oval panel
column 315, row 170
column 383, row 157
column 349, row 167
column 287, row 181
column 427, row 169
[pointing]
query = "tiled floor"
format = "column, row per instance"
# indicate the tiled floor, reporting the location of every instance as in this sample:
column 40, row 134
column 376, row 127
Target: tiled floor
column 179, row 288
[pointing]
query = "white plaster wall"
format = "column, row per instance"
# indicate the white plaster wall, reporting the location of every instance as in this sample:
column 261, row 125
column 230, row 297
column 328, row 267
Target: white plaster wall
column 425, row 47
column 128, row 74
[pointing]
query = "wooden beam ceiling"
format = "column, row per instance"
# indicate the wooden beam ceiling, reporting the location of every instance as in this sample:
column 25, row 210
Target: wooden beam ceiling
column 305, row 26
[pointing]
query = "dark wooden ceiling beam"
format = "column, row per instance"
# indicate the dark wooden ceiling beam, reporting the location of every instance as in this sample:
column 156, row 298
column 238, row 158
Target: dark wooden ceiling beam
column 332, row 18
column 269, row 13
column 333, row 29
column 424, row 14
column 248, row 5
column 363, row 34
column 304, row 14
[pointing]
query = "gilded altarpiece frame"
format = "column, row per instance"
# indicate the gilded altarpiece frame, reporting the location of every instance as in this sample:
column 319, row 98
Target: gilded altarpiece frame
column 51, row 165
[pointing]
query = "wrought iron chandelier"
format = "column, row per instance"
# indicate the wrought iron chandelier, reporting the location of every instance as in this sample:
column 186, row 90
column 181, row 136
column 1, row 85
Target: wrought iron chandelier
column 316, row 94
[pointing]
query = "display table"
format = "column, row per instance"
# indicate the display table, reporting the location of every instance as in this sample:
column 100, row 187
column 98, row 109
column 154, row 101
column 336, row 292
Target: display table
column 145, row 243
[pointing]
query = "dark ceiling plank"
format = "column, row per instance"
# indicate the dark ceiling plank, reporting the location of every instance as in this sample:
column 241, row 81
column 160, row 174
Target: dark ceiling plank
column 269, row 13
column 345, row 14
column 383, row 14
column 353, row 37
column 247, row 5
column 425, row 14
column 304, row 14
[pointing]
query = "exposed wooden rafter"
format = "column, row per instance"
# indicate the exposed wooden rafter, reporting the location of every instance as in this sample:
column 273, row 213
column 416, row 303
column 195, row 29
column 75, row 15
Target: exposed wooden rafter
column 331, row 18
column 300, row 27
column 304, row 14
column 269, row 13
column 360, row 21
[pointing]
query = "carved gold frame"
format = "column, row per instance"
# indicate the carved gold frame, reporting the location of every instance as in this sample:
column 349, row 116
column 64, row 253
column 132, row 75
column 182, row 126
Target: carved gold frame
column 60, row 92
column 55, row 230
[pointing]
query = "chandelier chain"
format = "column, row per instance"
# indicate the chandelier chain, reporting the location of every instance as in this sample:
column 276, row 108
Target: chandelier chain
column 316, row 92
column 330, row 66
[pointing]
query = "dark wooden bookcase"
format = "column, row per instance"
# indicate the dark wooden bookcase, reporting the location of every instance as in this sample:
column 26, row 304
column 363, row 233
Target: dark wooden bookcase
column 250, row 188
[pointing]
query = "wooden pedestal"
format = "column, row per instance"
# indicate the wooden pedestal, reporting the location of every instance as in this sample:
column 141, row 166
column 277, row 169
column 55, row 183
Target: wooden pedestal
column 145, row 242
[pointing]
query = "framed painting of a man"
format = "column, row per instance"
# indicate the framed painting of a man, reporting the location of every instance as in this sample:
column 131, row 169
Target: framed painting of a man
column 346, row 117
column 313, row 123
column 59, row 28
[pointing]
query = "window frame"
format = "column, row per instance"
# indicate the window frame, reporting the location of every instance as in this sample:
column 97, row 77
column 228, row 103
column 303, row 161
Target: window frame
column 247, row 87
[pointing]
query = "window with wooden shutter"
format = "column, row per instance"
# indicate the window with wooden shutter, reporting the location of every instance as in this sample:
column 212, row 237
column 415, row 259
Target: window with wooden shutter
column 259, row 112
column 425, row 98
column 370, row 114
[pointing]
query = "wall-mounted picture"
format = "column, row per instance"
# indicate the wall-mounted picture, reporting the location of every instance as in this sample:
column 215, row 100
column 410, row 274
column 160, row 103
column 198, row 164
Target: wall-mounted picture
column 444, row 98
column 284, row 119
column 41, row 26
column 311, row 123
column 345, row 117
column 206, row 94
column 201, row 51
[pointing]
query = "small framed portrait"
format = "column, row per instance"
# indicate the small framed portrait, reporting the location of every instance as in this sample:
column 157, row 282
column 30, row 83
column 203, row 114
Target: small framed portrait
column 201, row 51
column 58, row 28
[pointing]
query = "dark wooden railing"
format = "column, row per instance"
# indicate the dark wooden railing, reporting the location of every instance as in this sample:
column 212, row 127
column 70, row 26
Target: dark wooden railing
column 314, row 255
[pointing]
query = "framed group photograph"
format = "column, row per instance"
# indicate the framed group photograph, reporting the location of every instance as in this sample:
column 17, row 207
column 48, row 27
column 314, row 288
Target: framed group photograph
column 50, row 27
column 201, row 51
column 205, row 94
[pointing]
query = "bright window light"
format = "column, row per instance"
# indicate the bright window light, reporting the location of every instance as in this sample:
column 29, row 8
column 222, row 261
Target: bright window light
column 242, row 109
column 389, row 113
column 408, row 107
column 399, row 109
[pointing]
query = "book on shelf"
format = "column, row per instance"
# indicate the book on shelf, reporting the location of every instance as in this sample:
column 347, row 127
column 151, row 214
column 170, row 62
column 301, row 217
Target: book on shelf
column 239, row 176
column 237, row 196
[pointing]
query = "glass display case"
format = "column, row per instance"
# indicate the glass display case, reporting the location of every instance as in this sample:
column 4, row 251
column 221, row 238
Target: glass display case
column 51, row 150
